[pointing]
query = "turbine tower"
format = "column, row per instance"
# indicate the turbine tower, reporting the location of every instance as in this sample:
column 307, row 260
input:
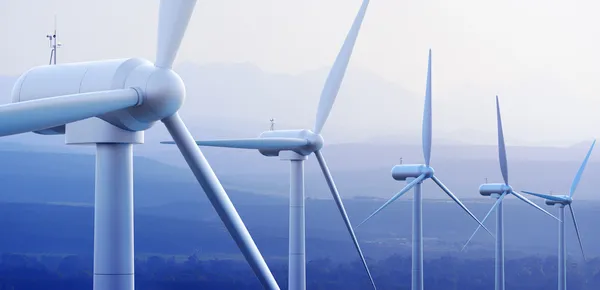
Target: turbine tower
column 561, row 201
column 417, row 174
column 499, row 191
column 295, row 146
column 54, row 43
column 110, row 103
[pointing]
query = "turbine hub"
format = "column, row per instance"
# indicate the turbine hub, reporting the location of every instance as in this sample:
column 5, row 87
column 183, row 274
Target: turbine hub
column 494, row 188
column 163, row 94
column 404, row 171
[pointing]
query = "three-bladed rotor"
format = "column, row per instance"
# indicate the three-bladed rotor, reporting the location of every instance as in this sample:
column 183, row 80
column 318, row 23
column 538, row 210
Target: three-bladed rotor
column 306, row 142
column 421, row 172
column 501, row 189
column 567, row 200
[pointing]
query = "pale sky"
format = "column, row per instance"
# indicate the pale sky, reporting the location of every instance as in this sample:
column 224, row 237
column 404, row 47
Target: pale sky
column 541, row 57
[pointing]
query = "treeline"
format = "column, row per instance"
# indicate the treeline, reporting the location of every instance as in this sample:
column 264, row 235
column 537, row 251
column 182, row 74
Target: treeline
column 21, row 272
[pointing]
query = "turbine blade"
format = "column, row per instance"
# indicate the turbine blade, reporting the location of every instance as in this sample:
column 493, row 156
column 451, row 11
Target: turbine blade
column 580, row 171
column 532, row 204
column 398, row 195
column 336, row 74
column 427, row 122
column 173, row 19
column 254, row 143
column 545, row 196
column 501, row 145
column 577, row 231
column 219, row 199
column 451, row 195
column 498, row 201
column 45, row 113
column 338, row 201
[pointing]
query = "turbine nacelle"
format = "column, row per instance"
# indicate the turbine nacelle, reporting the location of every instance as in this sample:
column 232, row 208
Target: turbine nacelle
column 161, row 91
column 565, row 200
column 494, row 188
column 314, row 141
column 404, row 171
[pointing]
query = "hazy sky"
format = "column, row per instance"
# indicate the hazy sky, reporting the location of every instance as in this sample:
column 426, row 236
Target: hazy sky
column 539, row 56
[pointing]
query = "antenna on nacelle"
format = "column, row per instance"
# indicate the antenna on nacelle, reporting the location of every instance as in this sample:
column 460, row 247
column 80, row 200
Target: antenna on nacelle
column 54, row 43
column 272, row 124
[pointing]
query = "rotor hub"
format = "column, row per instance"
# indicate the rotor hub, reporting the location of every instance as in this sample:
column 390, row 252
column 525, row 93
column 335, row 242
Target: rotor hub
column 163, row 96
column 162, row 91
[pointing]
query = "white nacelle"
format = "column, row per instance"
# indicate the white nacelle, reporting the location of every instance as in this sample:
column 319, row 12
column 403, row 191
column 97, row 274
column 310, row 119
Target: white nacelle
column 493, row 188
column 404, row 171
column 315, row 141
column 162, row 89
column 567, row 200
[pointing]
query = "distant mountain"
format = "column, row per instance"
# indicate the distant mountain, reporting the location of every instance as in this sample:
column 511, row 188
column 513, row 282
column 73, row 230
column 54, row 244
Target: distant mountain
column 69, row 178
column 360, row 169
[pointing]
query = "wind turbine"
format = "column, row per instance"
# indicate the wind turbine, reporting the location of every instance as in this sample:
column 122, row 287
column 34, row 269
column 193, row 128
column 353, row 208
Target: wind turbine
column 499, row 191
column 418, row 173
column 110, row 103
column 295, row 146
column 561, row 201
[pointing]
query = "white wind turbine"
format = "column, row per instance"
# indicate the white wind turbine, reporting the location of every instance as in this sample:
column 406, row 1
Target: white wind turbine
column 499, row 191
column 110, row 103
column 561, row 201
column 418, row 173
column 295, row 146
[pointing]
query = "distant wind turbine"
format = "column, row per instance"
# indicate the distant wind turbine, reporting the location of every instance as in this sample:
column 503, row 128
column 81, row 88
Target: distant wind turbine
column 499, row 191
column 561, row 201
column 418, row 173
column 295, row 146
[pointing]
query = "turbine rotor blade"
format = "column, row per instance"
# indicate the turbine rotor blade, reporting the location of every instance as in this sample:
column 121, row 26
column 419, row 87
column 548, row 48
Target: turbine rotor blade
column 45, row 113
column 336, row 74
column 544, row 196
column 427, row 122
column 498, row 201
column 501, row 145
column 580, row 171
column 577, row 231
column 254, row 143
column 396, row 196
column 219, row 199
column 451, row 195
column 173, row 19
column 532, row 204
column 338, row 201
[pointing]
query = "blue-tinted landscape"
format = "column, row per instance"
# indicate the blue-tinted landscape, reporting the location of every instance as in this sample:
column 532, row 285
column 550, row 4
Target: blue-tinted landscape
column 47, row 233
